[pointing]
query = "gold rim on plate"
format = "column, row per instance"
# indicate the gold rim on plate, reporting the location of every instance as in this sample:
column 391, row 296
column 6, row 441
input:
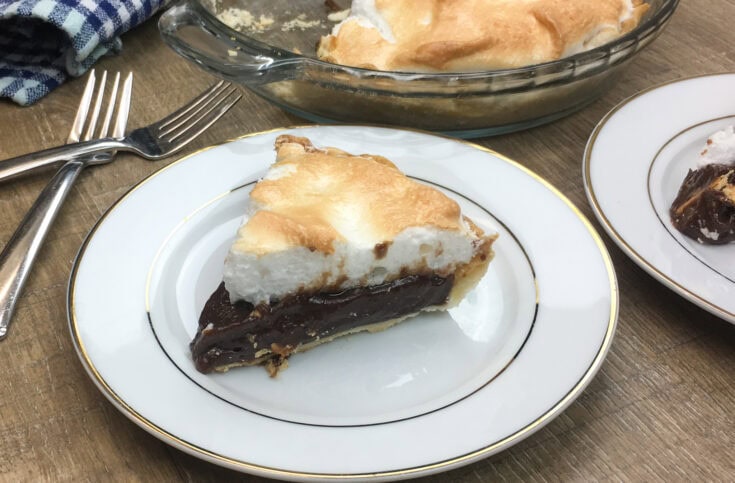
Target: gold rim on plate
column 271, row 472
column 607, row 224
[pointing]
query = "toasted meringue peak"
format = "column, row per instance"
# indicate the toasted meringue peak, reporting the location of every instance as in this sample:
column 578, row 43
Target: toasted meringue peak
column 322, row 218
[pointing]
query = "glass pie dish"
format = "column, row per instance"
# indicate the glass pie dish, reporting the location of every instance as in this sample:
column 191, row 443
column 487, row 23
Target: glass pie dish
column 272, row 51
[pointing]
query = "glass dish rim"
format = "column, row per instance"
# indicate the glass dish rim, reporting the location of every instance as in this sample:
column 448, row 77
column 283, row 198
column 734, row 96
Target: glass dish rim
column 580, row 60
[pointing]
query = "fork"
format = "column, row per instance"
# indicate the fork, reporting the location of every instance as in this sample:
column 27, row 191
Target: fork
column 18, row 256
column 155, row 141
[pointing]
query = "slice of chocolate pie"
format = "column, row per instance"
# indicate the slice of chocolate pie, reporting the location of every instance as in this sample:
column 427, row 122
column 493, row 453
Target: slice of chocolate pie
column 334, row 244
column 704, row 208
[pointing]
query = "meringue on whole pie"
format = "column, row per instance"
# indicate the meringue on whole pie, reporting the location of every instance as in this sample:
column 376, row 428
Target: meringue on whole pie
column 473, row 35
column 332, row 244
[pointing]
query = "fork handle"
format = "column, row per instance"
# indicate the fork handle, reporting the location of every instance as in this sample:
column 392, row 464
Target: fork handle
column 19, row 254
column 14, row 167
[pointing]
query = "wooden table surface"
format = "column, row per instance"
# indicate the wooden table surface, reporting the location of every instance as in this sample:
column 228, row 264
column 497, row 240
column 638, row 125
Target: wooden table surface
column 661, row 408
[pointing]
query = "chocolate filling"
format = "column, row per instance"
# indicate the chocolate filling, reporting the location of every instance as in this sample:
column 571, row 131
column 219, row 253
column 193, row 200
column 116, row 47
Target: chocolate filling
column 243, row 334
column 702, row 209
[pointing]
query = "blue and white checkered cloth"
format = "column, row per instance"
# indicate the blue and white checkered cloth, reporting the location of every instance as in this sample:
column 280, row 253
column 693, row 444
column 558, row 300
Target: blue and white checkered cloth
column 42, row 42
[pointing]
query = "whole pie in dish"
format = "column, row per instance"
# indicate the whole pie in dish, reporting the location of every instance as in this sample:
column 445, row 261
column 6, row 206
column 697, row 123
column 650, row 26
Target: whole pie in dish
column 473, row 35
column 333, row 244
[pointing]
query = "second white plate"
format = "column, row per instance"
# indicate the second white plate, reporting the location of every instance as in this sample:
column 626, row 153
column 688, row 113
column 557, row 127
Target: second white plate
column 634, row 164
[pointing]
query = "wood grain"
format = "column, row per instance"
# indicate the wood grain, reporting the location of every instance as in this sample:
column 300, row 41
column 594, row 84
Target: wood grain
column 661, row 409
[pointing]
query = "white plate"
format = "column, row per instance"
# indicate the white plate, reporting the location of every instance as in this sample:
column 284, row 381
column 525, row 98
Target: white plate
column 634, row 164
column 435, row 392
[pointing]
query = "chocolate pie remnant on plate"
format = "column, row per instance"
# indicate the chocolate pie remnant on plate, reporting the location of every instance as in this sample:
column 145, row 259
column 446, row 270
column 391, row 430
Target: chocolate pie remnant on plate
column 704, row 208
column 333, row 244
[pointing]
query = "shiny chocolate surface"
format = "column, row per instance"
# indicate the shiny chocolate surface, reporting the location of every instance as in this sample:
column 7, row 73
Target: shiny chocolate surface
column 244, row 334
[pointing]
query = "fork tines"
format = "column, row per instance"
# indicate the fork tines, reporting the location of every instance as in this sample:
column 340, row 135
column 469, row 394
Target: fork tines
column 200, row 113
column 84, row 118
